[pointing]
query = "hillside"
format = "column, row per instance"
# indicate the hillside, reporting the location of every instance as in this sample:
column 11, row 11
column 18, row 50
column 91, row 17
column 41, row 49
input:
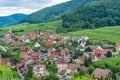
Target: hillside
column 21, row 29
column 12, row 19
column 100, row 35
column 93, row 15
column 54, row 12
column 104, row 32
column 109, row 63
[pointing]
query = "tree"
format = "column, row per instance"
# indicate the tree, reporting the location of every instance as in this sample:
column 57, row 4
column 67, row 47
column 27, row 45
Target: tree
column 51, row 67
column 81, row 72
column 114, row 49
column 51, row 76
column 17, row 57
column 87, row 61
column 91, row 69
column 88, row 49
column 109, row 54
column 74, row 43
column 29, row 73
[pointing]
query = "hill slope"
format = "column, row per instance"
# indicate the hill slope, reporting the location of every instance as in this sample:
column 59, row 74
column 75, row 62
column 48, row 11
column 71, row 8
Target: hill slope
column 106, row 34
column 93, row 15
column 54, row 12
column 12, row 19
column 100, row 35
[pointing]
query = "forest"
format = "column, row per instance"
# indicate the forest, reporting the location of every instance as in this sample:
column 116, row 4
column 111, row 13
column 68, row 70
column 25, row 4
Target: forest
column 93, row 15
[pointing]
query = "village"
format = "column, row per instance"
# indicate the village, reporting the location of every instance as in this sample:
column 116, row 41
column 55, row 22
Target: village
column 47, row 52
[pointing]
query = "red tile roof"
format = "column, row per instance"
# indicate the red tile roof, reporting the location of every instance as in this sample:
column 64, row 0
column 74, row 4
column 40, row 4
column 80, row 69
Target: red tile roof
column 49, row 43
column 16, row 43
column 55, row 54
column 61, row 61
column 101, row 73
column 98, row 52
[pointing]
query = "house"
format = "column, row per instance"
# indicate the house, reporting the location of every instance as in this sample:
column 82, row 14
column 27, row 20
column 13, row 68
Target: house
column 46, row 33
column 40, row 70
column 63, row 41
column 107, row 45
column 71, row 68
column 82, row 58
column 64, row 52
column 92, row 56
column 102, row 74
column 37, row 44
column 6, row 61
column 17, row 37
column 16, row 43
column 49, row 43
column 54, row 54
column 80, row 47
column 84, row 39
column 23, row 48
column 107, row 52
column 103, row 53
column 61, row 64
column 98, row 52
column 66, row 73
column 98, row 47
column 8, row 34
column 25, row 38
column 75, row 38
column 35, row 56
column 24, row 55
column 84, row 68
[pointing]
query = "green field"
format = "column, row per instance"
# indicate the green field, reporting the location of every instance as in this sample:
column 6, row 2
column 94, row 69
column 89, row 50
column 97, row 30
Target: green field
column 49, row 26
column 109, row 63
column 100, row 34
column 114, row 60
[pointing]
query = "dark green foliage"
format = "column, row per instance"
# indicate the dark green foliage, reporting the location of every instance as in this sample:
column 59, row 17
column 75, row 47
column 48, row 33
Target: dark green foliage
column 29, row 73
column 51, row 67
column 5, row 54
column 114, row 49
column 81, row 72
column 51, row 76
column 91, row 69
column 74, row 43
column 88, row 49
column 54, row 12
column 94, row 15
column 17, row 57
column 87, row 61
column 77, row 54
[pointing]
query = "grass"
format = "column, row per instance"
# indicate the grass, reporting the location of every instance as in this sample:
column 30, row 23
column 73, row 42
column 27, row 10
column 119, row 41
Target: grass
column 49, row 26
column 111, row 34
column 114, row 60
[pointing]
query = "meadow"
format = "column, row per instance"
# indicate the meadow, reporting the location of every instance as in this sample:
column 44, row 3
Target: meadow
column 102, row 35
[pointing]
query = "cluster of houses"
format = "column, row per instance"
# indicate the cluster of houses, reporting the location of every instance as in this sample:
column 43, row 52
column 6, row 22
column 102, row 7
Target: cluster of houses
column 48, row 52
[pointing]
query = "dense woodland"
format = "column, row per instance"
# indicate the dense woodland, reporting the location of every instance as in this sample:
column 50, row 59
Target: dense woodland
column 54, row 12
column 94, row 15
